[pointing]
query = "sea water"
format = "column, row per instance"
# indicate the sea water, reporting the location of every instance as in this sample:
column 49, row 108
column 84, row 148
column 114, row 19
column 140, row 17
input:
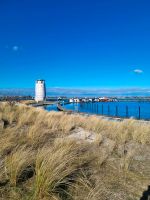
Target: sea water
column 138, row 110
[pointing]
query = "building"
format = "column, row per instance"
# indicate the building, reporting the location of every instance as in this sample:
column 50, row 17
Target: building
column 40, row 90
column 71, row 100
column 74, row 100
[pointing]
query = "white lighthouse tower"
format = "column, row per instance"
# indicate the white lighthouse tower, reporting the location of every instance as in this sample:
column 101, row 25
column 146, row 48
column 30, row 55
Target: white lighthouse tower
column 40, row 90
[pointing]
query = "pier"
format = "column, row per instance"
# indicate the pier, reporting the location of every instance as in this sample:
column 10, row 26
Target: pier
column 46, row 103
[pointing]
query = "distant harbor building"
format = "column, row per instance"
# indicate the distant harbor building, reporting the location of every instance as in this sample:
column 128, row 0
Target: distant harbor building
column 94, row 99
column 71, row 100
column 74, row 100
column 40, row 90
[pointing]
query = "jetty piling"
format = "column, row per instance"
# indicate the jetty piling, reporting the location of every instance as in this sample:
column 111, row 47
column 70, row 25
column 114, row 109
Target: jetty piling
column 127, row 112
column 116, row 111
column 102, row 109
column 108, row 110
column 139, row 112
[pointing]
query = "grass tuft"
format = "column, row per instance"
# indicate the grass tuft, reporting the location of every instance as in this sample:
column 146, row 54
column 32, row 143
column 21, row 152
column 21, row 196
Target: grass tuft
column 59, row 156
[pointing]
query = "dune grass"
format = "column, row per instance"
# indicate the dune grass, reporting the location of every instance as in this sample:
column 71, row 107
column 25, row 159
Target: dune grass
column 39, row 160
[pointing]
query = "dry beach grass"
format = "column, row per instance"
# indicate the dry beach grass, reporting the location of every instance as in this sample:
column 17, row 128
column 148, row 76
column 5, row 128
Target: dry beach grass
column 57, row 156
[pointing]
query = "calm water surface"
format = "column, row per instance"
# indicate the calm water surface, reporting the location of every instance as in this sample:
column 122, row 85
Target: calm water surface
column 121, row 109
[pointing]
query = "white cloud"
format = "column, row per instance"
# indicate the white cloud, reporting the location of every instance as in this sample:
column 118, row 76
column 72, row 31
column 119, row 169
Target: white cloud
column 15, row 48
column 138, row 71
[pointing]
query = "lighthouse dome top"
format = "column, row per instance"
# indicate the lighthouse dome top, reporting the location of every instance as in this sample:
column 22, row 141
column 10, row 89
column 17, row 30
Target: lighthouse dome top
column 41, row 80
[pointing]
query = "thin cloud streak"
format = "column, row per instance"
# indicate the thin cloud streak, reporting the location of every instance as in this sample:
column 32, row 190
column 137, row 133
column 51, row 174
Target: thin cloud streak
column 138, row 71
column 80, row 92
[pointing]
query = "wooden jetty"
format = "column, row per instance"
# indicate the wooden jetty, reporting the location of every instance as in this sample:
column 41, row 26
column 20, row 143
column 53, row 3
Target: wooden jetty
column 46, row 103
column 61, row 108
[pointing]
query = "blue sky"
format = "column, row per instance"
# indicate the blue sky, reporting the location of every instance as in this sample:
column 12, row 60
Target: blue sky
column 75, row 43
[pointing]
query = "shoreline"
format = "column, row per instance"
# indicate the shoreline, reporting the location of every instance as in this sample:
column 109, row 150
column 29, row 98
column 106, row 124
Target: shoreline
column 111, row 118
